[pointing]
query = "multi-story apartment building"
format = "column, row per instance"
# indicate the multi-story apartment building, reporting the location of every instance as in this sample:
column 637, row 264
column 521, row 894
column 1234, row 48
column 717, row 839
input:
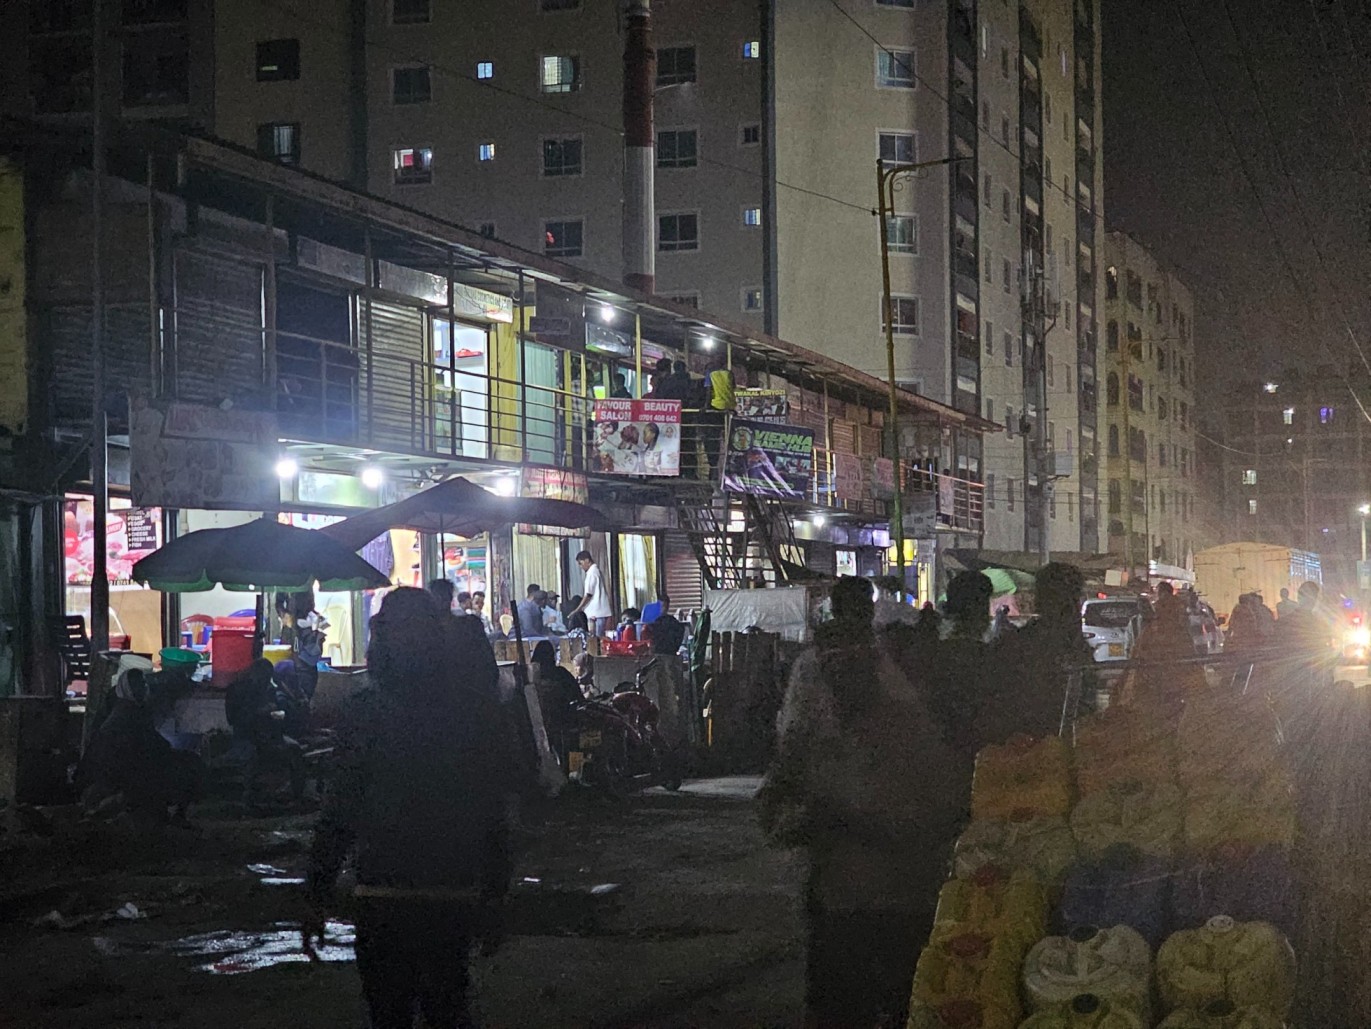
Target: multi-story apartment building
column 1153, row 489
column 504, row 115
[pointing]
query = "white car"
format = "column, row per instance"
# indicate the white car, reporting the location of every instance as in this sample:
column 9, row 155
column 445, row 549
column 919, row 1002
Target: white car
column 1110, row 627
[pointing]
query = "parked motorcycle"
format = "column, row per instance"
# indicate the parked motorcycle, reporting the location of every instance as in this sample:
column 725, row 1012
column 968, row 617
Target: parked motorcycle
column 614, row 741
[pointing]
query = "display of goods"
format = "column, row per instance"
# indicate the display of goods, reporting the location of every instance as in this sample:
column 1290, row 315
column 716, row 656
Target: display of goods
column 1148, row 817
column 1256, row 815
column 1112, row 965
column 1087, row 1011
column 1247, row 964
column 1251, row 884
column 994, row 901
column 1222, row 1015
column 1123, row 744
column 1022, row 775
column 1122, row 887
column 962, row 1013
column 1043, row 847
column 960, row 969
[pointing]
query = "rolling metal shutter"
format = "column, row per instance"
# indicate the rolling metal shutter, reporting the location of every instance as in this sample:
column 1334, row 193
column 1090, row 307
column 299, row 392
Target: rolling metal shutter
column 218, row 349
column 398, row 375
column 65, row 334
column 681, row 571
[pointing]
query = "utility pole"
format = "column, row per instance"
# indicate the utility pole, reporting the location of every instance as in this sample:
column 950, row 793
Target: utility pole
column 886, row 174
column 99, row 442
column 640, row 79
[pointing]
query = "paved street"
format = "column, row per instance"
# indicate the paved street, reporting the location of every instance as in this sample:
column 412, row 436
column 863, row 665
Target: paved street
column 668, row 911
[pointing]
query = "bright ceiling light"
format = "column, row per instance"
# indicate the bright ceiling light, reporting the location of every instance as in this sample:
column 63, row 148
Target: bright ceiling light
column 607, row 314
column 372, row 477
column 707, row 342
column 819, row 521
column 505, row 486
column 287, row 468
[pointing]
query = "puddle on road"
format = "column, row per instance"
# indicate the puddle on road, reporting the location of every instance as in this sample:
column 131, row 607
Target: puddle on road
column 273, row 876
column 237, row 951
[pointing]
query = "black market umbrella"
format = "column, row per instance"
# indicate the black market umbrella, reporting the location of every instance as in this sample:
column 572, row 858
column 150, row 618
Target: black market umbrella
column 459, row 507
column 257, row 557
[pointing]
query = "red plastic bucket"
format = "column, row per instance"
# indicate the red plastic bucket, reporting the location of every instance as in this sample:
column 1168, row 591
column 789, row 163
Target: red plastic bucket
column 231, row 652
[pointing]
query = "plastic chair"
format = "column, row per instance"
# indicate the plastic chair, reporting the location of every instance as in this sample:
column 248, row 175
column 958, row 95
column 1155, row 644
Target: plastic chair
column 198, row 626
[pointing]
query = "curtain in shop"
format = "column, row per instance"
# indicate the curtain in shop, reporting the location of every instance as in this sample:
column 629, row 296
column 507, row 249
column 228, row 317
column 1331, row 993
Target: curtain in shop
column 637, row 570
column 535, row 560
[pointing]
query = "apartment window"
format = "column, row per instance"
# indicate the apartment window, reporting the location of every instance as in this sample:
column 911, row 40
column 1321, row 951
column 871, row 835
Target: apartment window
column 1249, row 477
column 896, row 147
column 678, row 232
column 1287, row 416
column 560, row 5
column 752, row 216
column 1004, row 61
column 485, row 69
column 990, row 490
column 1047, row 237
column 1047, row 171
column 989, row 189
column 561, row 157
column 902, row 232
column 486, row 229
column 752, row 299
column 561, row 73
column 989, row 337
column 675, row 65
column 750, row 135
column 1325, row 416
column 411, row 85
column 985, row 115
column 413, row 165
column 685, row 299
column 908, row 4
column 989, row 409
column 409, row 12
column 1009, row 493
column 989, row 266
column 1252, row 507
column 279, row 141
column 1009, row 423
column 904, row 316
column 677, row 148
column 1007, row 341
column 485, row 151
column 564, row 238
column 752, row 50
column 1047, row 111
column 895, row 69
column 1004, row 127
column 278, row 60
column 1006, row 205
column 1008, row 270
column 1051, row 377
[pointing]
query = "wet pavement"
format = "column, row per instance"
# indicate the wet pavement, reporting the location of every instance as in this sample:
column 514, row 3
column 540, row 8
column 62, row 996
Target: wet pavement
column 667, row 910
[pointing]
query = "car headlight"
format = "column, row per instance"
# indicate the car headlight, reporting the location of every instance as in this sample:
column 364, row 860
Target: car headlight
column 1359, row 636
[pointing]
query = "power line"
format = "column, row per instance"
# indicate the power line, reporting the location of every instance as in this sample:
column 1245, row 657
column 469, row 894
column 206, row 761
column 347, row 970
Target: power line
column 514, row 94
column 1256, row 193
column 1294, row 188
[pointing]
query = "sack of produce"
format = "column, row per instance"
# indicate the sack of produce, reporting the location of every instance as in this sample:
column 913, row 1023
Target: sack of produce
column 1022, row 774
column 1251, row 884
column 994, row 902
column 1247, row 964
column 1114, row 965
column 1222, row 1015
column 1087, row 1011
column 961, row 971
column 1043, row 847
column 1131, row 812
column 1123, row 887
column 1257, row 814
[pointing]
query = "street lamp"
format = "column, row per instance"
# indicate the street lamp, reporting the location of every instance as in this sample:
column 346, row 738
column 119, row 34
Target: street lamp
column 886, row 174
column 1364, row 510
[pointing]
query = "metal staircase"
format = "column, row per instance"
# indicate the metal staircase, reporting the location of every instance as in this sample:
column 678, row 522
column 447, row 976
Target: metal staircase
column 764, row 548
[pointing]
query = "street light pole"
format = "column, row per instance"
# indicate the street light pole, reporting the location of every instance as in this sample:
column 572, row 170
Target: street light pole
column 886, row 174
column 1364, row 510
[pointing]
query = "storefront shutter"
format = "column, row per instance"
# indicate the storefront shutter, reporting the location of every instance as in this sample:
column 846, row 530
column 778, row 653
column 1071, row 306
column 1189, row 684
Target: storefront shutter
column 218, row 344
column 684, row 585
column 66, row 332
column 400, row 373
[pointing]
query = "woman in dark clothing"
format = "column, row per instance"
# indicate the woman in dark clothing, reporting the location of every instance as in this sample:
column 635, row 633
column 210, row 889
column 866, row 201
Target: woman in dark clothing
column 558, row 694
column 421, row 793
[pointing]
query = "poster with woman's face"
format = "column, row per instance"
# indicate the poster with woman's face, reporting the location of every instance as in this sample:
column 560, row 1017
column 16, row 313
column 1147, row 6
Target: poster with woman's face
column 637, row 437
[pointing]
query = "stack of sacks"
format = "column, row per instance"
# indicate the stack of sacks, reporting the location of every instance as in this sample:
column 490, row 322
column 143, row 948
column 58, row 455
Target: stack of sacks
column 1022, row 777
column 1124, row 744
column 1112, row 965
column 967, row 979
column 1251, row 884
column 1222, row 1015
column 1087, row 1011
column 1242, row 964
column 1042, row 847
column 995, row 902
column 1147, row 817
column 1122, row 887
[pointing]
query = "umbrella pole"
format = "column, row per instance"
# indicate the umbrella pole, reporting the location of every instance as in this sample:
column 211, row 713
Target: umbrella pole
column 259, row 626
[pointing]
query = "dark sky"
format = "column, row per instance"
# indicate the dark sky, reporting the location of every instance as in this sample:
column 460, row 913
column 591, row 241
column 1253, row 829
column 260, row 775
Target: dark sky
column 1174, row 180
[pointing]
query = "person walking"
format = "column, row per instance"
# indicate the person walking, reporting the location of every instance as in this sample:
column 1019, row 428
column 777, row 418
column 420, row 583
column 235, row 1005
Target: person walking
column 1037, row 660
column 594, row 597
column 864, row 781
column 420, row 793
column 1286, row 605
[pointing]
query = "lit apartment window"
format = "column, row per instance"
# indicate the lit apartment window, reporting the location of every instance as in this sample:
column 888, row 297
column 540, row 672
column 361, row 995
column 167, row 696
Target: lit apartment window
column 1252, row 507
column 1325, row 416
column 752, row 50
column 675, row 65
column 411, row 85
column 895, row 69
column 896, row 147
column 561, row 73
column 677, row 148
column 561, row 157
column 750, row 135
column 752, row 299
column 752, row 216
column 905, row 316
column 1249, row 477
column 563, row 238
column 487, row 230
column 485, row 69
column 678, row 232
column 413, row 166
column 1288, row 416
column 409, row 12
column 561, row 5
column 278, row 60
column 279, row 141
column 903, row 234
column 485, row 152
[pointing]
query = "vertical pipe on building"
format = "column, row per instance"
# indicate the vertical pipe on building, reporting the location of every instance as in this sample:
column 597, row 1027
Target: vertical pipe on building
column 366, row 326
column 897, row 501
column 640, row 66
column 99, row 459
column 523, row 384
column 269, row 304
column 453, row 394
column 770, row 290
column 154, row 336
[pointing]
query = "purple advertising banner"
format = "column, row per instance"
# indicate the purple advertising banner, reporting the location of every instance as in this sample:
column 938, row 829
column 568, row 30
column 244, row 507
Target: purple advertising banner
column 769, row 460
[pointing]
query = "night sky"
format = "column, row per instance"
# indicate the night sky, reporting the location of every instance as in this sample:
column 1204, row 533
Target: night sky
column 1173, row 179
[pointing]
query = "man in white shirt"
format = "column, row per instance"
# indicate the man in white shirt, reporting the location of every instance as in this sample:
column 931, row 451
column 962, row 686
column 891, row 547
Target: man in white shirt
column 594, row 596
